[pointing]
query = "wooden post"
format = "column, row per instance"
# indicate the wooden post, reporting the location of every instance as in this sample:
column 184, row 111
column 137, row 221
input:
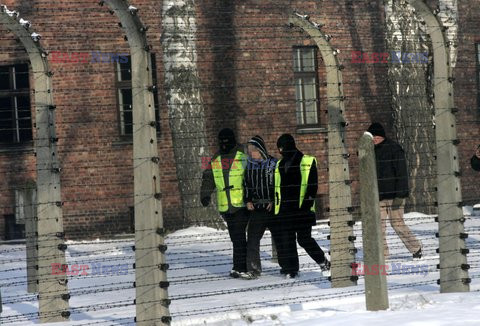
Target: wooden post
column 453, row 260
column 376, row 293
column 342, row 248
column 52, row 287
column 150, row 267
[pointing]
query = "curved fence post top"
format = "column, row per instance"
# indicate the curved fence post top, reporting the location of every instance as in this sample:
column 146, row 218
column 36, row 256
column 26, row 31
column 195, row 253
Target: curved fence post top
column 129, row 20
column 322, row 39
column 434, row 29
column 30, row 40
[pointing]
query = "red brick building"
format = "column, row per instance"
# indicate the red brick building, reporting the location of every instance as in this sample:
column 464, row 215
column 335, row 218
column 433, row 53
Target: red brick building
column 248, row 66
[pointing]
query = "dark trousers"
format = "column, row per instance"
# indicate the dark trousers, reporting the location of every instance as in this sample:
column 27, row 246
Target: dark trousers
column 286, row 245
column 288, row 232
column 259, row 221
column 237, row 226
column 305, row 240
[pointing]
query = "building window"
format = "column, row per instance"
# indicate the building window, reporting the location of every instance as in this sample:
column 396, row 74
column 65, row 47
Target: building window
column 13, row 230
column 306, row 85
column 15, row 114
column 123, row 73
column 477, row 48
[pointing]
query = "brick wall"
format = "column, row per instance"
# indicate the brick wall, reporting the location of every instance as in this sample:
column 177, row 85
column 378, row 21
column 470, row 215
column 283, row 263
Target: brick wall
column 468, row 117
column 246, row 68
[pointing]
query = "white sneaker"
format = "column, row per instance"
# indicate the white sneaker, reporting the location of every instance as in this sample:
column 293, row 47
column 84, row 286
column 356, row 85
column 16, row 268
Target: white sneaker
column 247, row 275
column 325, row 267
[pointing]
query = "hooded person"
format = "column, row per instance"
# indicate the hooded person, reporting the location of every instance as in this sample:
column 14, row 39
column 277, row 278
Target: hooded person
column 296, row 185
column 224, row 174
column 475, row 160
column 259, row 198
column 392, row 175
column 259, row 174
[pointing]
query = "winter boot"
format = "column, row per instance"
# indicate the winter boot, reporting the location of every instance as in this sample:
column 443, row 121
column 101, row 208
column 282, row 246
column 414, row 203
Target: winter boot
column 234, row 274
column 291, row 275
column 247, row 275
column 418, row 254
column 325, row 267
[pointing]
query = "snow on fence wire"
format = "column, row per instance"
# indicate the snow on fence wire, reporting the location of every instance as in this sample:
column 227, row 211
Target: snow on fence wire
column 176, row 257
column 200, row 260
column 196, row 283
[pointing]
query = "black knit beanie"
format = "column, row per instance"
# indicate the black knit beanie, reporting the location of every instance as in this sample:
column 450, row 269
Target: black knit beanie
column 376, row 129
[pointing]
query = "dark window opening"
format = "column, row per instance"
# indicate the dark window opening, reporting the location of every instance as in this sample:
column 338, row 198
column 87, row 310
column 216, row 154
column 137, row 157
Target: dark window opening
column 15, row 112
column 13, row 230
column 123, row 77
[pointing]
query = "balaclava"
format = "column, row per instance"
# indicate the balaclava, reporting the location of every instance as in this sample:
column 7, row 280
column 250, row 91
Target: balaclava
column 226, row 140
column 287, row 144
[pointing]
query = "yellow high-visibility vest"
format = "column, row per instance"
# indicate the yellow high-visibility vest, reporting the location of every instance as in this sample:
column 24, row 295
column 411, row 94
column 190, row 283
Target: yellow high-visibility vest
column 305, row 166
column 236, row 172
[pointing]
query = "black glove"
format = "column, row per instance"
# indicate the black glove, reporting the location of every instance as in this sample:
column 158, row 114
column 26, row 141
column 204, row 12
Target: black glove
column 306, row 205
column 205, row 201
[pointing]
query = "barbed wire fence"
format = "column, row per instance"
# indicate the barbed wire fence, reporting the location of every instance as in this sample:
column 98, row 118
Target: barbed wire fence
column 211, row 262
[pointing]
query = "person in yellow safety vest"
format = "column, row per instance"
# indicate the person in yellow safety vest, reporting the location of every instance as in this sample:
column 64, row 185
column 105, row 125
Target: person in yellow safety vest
column 296, row 184
column 225, row 175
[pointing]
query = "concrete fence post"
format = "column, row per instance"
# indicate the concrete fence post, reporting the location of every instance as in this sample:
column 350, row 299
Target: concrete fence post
column 376, row 293
column 341, row 237
column 53, row 293
column 454, row 275
column 151, row 286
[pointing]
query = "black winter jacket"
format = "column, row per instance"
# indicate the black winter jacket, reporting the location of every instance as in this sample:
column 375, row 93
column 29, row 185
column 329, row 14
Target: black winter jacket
column 290, row 191
column 392, row 171
column 475, row 162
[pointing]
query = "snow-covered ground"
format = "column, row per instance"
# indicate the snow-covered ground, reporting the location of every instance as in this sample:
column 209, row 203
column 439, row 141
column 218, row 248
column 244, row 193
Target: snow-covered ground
column 203, row 294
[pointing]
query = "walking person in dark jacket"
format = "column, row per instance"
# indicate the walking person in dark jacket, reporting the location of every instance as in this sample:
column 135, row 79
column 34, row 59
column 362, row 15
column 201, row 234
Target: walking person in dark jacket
column 296, row 184
column 259, row 195
column 475, row 160
column 225, row 174
column 393, row 188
